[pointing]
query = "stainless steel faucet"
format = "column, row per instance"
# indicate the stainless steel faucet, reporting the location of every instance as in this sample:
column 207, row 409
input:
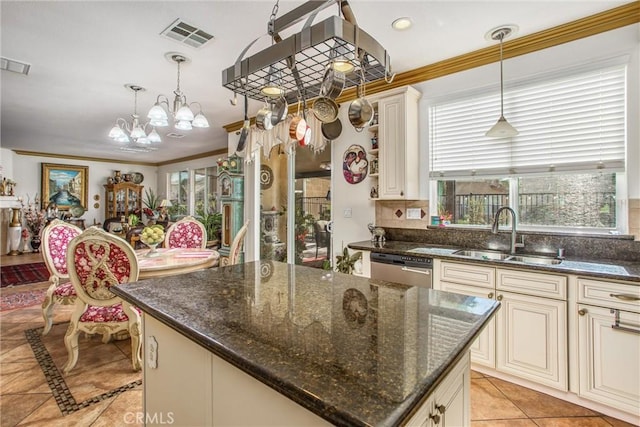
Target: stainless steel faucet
column 494, row 228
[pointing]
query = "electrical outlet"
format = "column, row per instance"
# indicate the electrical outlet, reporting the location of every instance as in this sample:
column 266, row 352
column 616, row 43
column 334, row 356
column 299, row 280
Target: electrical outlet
column 347, row 213
column 413, row 213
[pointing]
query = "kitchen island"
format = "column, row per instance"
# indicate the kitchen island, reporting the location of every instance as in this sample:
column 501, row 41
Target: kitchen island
column 267, row 343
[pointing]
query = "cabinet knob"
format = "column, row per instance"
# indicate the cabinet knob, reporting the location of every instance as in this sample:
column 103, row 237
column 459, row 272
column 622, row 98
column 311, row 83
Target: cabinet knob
column 402, row 193
column 490, row 295
column 441, row 408
column 582, row 312
column 499, row 297
column 435, row 418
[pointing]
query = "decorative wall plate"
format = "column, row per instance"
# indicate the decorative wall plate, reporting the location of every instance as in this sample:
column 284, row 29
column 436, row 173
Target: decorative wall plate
column 137, row 178
column 266, row 177
column 354, row 164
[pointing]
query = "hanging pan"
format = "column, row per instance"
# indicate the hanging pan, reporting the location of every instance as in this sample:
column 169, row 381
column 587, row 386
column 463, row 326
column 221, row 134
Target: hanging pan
column 244, row 133
column 332, row 130
column 264, row 118
column 279, row 109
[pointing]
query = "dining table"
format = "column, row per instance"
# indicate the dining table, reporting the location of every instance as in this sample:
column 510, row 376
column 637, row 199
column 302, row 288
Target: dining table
column 170, row 261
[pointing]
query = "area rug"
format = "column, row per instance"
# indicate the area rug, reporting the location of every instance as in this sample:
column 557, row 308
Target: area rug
column 22, row 299
column 22, row 274
column 62, row 393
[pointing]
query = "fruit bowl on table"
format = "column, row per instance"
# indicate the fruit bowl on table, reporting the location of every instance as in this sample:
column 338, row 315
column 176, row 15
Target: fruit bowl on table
column 152, row 236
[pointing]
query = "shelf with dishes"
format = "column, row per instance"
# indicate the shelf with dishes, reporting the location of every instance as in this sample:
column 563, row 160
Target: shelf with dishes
column 374, row 153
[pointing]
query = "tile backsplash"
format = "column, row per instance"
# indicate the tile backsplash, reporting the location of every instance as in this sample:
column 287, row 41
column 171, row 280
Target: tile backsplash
column 392, row 215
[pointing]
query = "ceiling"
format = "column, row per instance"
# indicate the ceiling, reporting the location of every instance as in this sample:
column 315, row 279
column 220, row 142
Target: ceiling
column 82, row 53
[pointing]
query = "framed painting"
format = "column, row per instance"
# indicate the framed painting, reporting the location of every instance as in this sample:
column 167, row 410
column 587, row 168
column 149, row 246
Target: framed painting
column 64, row 185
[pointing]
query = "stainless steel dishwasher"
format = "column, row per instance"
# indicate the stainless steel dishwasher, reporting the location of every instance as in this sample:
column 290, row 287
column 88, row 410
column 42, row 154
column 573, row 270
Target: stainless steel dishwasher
column 408, row 270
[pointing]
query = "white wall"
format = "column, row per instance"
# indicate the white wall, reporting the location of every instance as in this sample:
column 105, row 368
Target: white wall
column 27, row 173
column 612, row 44
column 345, row 196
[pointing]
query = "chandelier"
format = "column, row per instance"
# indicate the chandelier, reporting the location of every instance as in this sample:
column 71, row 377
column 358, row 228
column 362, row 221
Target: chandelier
column 124, row 131
column 295, row 67
column 183, row 116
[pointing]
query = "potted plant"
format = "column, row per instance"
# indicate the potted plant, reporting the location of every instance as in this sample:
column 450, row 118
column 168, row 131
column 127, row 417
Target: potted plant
column 151, row 200
column 345, row 263
column 213, row 226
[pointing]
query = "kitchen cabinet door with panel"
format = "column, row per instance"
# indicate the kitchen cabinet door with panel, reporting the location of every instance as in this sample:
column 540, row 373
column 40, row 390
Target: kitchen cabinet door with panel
column 398, row 145
column 531, row 338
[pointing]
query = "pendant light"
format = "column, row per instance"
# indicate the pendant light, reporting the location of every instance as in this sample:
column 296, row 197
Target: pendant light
column 502, row 128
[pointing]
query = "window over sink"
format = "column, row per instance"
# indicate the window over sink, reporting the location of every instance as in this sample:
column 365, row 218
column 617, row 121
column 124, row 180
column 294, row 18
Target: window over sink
column 566, row 168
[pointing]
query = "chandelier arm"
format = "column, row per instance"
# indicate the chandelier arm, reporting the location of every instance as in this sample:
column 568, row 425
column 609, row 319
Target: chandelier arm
column 501, row 81
column 123, row 124
column 195, row 102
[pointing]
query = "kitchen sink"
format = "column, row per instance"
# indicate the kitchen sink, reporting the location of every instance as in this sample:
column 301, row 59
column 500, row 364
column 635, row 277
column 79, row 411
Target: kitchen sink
column 500, row 256
column 534, row 259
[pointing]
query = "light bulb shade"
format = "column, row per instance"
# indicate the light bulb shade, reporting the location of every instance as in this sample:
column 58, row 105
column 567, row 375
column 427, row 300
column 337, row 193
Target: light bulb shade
column 200, row 121
column 502, row 129
column 157, row 113
column 273, row 84
column 183, row 125
column 138, row 132
column 342, row 59
column 122, row 138
column 159, row 122
column 116, row 132
column 153, row 136
column 184, row 113
column 144, row 140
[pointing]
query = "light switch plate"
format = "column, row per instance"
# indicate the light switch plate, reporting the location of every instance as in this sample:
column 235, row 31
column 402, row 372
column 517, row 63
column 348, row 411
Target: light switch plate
column 152, row 355
column 413, row 213
column 347, row 213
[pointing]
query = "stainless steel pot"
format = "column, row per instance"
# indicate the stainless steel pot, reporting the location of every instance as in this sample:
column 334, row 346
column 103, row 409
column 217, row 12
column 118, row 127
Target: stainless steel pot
column 360, row 111
column 263, row 118
column 325, row 109
column 332, row 83
column 279, row 109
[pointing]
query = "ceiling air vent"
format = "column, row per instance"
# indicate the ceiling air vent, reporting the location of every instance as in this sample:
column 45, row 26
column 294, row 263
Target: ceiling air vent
column 175, row 135
column 14, row 66
column 186, row 34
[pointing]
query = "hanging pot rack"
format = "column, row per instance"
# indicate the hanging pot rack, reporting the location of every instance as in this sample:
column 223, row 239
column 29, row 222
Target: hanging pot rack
column 311, row 50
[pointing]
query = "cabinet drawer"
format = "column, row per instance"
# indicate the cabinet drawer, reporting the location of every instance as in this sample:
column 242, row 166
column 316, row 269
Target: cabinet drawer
column 467, row 274
column 609, row 294
column 526, row 282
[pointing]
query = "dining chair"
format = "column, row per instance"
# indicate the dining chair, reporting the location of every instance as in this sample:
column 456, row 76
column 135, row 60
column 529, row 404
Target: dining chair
column 186, row 233
column 98, row 260
column 237, row 244
column 55, row 240
column 321, row 235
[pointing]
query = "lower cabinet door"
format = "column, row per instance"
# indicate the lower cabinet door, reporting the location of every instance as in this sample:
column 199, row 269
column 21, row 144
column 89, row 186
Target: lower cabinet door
column 531, row 339
column 483, row 349
column 609, row 369
column 451, row 398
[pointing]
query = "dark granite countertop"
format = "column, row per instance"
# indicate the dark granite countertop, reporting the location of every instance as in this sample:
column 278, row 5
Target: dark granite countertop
column 607, row 269
column 354, row 351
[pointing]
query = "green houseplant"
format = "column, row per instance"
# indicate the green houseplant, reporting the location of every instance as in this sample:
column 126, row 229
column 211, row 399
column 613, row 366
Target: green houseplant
column 346, row 262
column 213, row 225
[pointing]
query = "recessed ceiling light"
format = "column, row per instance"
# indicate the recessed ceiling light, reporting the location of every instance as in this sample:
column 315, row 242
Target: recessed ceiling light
column 401, row 23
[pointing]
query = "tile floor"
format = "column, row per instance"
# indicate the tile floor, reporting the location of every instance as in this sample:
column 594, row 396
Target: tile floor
column 27, row 399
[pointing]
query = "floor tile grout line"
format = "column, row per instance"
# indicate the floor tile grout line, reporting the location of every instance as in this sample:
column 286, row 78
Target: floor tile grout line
column 65, row 400
column 489, row 378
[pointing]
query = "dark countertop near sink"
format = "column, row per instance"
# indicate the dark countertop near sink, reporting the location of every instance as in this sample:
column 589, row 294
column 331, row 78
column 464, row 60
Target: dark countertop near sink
column 608, row 269
column 336, row 344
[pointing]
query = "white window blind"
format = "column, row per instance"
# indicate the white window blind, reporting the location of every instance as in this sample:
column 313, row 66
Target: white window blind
column 570, row 123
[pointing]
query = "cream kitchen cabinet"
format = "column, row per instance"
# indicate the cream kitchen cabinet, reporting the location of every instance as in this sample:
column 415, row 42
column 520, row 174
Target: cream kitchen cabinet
column 448, row 406
column 609, row 343
column 397, row 156
column 528, row 336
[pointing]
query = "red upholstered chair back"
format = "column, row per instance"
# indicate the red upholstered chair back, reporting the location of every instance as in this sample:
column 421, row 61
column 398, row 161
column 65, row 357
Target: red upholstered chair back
column 98, row 260
column 55, row 240
column 186, row 233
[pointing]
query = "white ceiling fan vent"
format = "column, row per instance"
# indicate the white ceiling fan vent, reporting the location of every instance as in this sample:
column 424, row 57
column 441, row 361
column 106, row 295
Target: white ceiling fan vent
column 175, row 135
column 14, row 66
column 186, row 34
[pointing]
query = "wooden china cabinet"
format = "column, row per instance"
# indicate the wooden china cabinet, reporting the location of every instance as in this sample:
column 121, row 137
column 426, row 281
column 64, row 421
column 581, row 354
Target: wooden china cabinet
column 122, row 199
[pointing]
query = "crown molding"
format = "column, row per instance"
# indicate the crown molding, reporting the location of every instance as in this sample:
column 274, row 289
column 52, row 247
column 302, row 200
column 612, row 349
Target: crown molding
column 608, row 20
column 194, row 157
column 89, row 159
